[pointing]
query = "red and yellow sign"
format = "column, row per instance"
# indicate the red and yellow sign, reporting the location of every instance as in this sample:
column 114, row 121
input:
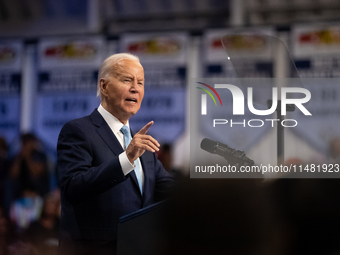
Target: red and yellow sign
column 159, row 45
column 320, row 37
column 71, row 50
column 241, row 42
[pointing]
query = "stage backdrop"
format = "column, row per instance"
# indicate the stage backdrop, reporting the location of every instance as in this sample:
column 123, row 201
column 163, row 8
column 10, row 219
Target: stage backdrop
column 316, row 53
column 67, row 80
column 11, row 52
column 164, row 58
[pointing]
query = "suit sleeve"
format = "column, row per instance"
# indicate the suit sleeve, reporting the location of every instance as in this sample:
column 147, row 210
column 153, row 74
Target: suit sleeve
column 78, row 178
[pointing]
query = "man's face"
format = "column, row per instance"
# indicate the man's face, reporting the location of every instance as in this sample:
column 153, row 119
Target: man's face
column 123, row 92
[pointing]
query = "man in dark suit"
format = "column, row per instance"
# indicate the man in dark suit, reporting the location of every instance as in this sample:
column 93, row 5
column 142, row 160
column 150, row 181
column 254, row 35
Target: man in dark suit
column 101, row 174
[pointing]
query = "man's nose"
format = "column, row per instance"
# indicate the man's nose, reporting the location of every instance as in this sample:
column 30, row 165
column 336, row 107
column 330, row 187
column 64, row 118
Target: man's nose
column 134, row 86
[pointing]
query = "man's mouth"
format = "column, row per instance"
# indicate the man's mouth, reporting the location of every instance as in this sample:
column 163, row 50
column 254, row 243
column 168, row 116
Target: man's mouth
column 133, row 100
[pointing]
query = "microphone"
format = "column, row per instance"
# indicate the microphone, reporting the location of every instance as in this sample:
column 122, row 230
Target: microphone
column 231, row 155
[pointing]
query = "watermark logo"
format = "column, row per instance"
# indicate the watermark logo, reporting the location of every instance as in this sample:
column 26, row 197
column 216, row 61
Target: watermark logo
column 204, row 97
column 238, row 99
column 238, row 107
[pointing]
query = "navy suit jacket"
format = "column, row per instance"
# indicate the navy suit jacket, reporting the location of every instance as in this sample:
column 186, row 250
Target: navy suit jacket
column 94, row 190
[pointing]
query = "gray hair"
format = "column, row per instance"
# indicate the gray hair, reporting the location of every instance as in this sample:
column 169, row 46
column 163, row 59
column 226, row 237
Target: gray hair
column 108, row 66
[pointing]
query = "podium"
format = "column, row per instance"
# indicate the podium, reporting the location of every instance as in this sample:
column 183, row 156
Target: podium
column 140, row 232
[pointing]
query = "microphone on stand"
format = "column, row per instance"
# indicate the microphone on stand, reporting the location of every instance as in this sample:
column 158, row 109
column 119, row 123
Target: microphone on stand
column 231, row 155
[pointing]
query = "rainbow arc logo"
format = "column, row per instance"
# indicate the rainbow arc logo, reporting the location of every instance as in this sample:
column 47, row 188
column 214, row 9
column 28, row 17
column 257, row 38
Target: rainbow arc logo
column 204, row 97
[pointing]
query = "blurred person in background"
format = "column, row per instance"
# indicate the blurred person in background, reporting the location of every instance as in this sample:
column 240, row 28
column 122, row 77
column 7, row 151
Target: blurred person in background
column 28, row 169
column 4, row 167
column 26, row 209
column 43, row 234
column 7, row 235
column 4, row 158
column 165, row 155
column 334, row 150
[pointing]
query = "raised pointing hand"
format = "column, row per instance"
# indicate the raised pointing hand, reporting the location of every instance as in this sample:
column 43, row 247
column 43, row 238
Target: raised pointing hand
column 141, row 142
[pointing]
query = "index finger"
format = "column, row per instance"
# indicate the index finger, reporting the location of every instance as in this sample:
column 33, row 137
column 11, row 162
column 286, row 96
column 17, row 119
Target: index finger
column 145, row 128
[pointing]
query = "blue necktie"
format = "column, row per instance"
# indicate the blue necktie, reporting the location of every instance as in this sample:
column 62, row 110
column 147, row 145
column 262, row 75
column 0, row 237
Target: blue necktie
column 127, row 139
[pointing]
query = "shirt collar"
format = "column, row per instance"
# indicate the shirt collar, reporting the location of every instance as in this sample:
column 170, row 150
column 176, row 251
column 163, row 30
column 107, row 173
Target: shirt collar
column 111, row 120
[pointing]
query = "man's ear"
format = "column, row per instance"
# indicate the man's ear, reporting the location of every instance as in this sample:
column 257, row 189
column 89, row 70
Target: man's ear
column 103, row 86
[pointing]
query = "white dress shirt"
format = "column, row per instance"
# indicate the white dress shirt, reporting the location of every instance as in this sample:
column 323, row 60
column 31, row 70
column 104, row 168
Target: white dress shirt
column 115, row 125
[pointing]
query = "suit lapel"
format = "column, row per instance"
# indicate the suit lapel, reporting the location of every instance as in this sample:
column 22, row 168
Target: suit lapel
column 106, row 133
column 109, row 138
